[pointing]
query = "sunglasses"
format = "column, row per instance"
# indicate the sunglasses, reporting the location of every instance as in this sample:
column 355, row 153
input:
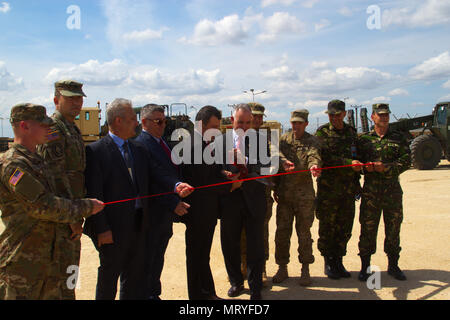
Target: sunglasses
column 158, row 121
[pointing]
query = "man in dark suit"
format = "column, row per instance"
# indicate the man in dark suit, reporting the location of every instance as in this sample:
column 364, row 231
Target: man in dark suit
column 243, row 208
column 120, row 169
column 204, row 212
column 165, row 209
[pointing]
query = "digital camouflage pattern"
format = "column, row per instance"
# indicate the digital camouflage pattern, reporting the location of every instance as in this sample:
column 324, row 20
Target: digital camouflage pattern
column 66, row 155
column 337, row 188
column 382, row 192
column 296, row 197
column 30, row 251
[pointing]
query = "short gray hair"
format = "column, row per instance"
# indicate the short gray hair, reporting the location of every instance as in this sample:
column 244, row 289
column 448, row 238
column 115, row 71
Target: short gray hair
column 117, row 109
column 147, row 110
column 242, row 106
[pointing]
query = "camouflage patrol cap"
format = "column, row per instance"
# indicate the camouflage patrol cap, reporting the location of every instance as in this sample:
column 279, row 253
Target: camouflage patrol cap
column 300, row 115
column 69, row 88
column 335, row 107
column 257, row 108
column 381, row 108
column 30, row 111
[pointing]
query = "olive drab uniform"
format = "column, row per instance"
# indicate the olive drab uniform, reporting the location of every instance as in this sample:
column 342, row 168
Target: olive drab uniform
column 336, row 189
column 65, row 153
column 296, row 197
column 382, row 193
column 30, row 251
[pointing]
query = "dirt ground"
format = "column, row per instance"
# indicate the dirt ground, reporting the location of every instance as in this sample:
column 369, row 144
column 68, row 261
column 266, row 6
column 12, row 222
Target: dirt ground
column 425, row 256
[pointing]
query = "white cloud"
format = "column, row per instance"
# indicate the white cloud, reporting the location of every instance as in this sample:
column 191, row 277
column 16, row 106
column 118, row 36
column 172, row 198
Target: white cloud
column 280, row 73
column 322, row 24
column 92, row 73
column 343, row 79
column 8, row 81
column 234, row 30
column 5, row 7
column 144, row 35
column 188, row 83
column 399, row 92
column 446, row 85
column 434, row 68
column 280, row 23
column 230, row 30
column 286, row 3
column 422, row 14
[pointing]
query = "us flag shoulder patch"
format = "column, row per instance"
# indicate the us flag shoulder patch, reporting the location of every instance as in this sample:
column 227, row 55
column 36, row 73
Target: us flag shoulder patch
column 15, row 178
column 52, row 135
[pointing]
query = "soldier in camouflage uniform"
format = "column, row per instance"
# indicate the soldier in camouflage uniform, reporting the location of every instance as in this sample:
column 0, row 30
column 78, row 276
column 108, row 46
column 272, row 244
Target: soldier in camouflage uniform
column 382, row 192
column 336, row 189
column 295, row 196
column 32, row 213
column 65, row 152
column 257, row 121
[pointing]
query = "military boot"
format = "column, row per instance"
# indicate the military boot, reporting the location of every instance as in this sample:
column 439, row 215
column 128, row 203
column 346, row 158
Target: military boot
column 281, row 275
column 305, row 279
column 365, row 264
column 343, row 273
column 394, row 270
column 331, row 269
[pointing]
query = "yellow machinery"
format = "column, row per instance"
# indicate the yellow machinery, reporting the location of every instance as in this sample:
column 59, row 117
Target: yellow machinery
column 89, row 124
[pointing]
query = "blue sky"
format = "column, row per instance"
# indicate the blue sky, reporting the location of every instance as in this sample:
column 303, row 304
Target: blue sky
column 302, row 52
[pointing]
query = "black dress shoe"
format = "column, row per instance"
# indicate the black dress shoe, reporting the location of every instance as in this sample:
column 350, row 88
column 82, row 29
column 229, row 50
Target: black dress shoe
column 235, row 291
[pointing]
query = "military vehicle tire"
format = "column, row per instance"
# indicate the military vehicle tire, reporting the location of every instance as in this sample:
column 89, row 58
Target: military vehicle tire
column 426, row 152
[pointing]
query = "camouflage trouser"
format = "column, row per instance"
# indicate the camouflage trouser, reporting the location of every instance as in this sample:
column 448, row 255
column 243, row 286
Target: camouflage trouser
column 303, row 212
column 266, row 233
column 336, row 217
column 67, row 252
column 29, row 280
column 388, row 201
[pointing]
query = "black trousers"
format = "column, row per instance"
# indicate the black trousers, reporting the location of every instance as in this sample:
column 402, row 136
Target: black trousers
column 158, row 236
column 199, row 236
column 123, row 259
column 232, row 223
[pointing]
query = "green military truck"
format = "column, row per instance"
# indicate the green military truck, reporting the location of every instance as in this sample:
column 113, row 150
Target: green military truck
column 429, row 136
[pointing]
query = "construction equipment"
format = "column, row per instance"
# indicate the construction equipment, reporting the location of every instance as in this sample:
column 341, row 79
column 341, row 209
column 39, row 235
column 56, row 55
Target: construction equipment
column 428, row 136
column 88, row 121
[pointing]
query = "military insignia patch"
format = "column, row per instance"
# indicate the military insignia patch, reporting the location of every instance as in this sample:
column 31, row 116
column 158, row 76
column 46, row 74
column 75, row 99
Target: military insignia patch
column 52, row 135
column 15, row 178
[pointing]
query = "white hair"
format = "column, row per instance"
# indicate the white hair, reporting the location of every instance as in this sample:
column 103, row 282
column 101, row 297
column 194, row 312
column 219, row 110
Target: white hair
column 117, row 109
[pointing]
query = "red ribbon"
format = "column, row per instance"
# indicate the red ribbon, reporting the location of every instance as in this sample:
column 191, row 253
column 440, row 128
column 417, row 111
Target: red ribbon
column 242, row 180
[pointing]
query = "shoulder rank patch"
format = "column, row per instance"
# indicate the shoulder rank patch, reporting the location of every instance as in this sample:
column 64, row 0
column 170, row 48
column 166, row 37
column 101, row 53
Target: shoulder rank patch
column 52, row 135
column 15, row 178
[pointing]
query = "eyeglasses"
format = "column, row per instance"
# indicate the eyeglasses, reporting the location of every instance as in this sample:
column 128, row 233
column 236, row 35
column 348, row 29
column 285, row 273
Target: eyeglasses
column 159, row 122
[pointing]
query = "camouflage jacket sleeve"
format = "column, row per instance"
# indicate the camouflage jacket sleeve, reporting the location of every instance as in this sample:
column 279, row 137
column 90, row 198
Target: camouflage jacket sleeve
column 29, row 191
column 54, row 152
column 403, row 161
column 314, row 158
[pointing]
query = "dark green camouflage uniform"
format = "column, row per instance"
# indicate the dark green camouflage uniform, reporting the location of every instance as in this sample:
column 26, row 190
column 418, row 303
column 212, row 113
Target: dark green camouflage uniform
column 30, row 251
column 66, row 155
column 382, row 192
column 336, row 189
column 296, row 197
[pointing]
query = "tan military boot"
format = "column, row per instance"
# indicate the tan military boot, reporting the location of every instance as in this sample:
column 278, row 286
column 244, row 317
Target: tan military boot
column 281, row 275
column 305, row 279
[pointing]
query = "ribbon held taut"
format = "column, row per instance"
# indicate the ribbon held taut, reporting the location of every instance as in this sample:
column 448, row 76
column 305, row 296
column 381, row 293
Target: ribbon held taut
column 241, row 180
